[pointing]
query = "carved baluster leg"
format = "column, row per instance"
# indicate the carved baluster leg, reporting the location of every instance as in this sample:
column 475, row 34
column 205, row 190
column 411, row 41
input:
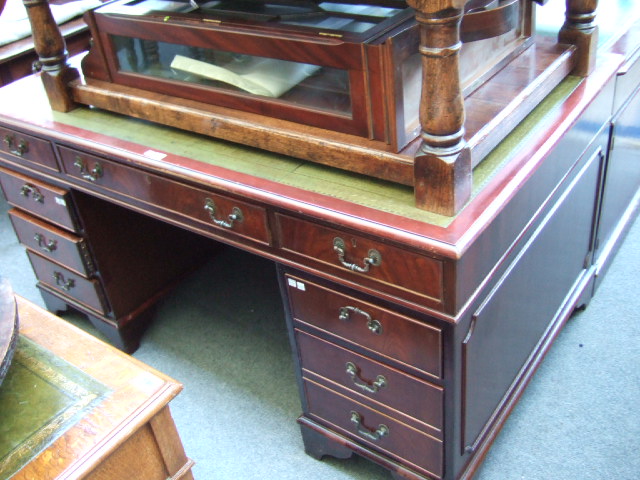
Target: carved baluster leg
column 52, row 52
column 581, row 30
column 442, row 166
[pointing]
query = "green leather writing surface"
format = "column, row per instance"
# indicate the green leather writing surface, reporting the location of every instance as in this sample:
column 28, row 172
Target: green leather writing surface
column 356, row 188
column 41, row 397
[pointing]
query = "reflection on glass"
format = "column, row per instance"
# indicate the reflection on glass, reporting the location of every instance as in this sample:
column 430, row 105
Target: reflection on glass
column 342, row 17
column 308, row 85
column 411, row 71
column 143, row 7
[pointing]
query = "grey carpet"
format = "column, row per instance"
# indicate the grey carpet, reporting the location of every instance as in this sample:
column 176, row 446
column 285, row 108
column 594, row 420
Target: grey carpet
column 222, row 334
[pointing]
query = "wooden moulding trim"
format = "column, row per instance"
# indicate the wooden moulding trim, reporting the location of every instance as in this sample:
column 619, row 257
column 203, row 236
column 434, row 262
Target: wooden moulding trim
column 184, row 472
column 129, row 427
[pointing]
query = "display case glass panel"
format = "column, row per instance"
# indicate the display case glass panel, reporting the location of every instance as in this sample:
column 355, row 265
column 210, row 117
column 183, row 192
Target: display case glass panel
column 304, row 84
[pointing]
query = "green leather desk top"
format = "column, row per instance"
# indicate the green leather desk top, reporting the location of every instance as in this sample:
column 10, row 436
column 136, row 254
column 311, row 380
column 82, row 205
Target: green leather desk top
column 41, row 397
column 355, row 188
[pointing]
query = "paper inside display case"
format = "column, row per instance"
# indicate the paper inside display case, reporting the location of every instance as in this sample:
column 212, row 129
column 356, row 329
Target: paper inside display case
column 260, row 76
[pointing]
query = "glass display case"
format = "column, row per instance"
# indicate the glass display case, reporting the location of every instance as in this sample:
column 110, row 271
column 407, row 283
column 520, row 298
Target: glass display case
column 353, row 68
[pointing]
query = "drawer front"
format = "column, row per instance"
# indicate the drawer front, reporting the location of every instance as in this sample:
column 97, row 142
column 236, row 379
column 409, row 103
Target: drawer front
column 88, row 292
column 365, row 261
column 376, row 329
column 43, row 200
column 374, row 429
column 52, row 243
column 208, row 209
column 406, row 394
column 25, row 147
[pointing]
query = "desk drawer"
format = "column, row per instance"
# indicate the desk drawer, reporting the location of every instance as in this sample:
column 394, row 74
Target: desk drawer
column 43, row 200
column 85, row 291
column 394, row 269
column 408, row 395
column 376, row 329
column 52, row 243
column 214, row 211
column 374, row 428
column 25, row 147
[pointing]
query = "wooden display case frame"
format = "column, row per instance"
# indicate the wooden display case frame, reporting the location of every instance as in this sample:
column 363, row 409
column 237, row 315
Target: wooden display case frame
column 347, row 73
column 456, row 132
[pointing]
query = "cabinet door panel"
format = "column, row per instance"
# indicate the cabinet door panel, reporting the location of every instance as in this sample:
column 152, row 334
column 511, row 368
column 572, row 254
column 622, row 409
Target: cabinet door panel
column 622, row 178
column 514, row 316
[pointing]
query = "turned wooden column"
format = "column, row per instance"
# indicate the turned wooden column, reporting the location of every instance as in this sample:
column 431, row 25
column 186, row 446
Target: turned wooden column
column 52, row 52
column 581, row 30
column 442, row 165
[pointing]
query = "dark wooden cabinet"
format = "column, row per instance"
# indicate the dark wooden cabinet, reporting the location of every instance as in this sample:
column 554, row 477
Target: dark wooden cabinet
column 413, row 333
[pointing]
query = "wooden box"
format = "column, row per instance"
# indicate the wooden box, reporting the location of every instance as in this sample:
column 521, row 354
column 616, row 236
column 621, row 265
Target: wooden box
column 325, row 65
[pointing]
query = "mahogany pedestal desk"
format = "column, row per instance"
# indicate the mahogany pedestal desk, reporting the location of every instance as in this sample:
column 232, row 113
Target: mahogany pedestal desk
column 74, row 407
column 413, row 333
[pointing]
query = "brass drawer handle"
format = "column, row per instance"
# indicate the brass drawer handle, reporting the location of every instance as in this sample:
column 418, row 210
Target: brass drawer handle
column 234, row 216
column 27, row 190
column 374, row 258
column 65, row 285
column 373, row 325
column 353, row 372
column 49, row 246
column 93, row 175
column 20, row 149
column 375, row 435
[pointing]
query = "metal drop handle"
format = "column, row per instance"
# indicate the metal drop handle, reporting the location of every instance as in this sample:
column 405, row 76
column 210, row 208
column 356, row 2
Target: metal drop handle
column 373, row 257
column 375, row 435
column 47, row 246
column 93, row 175
column 353, row 372
column 65, row 285
column 373, row 325
column 20, row 149
column 27, row 190
column 234, row 216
